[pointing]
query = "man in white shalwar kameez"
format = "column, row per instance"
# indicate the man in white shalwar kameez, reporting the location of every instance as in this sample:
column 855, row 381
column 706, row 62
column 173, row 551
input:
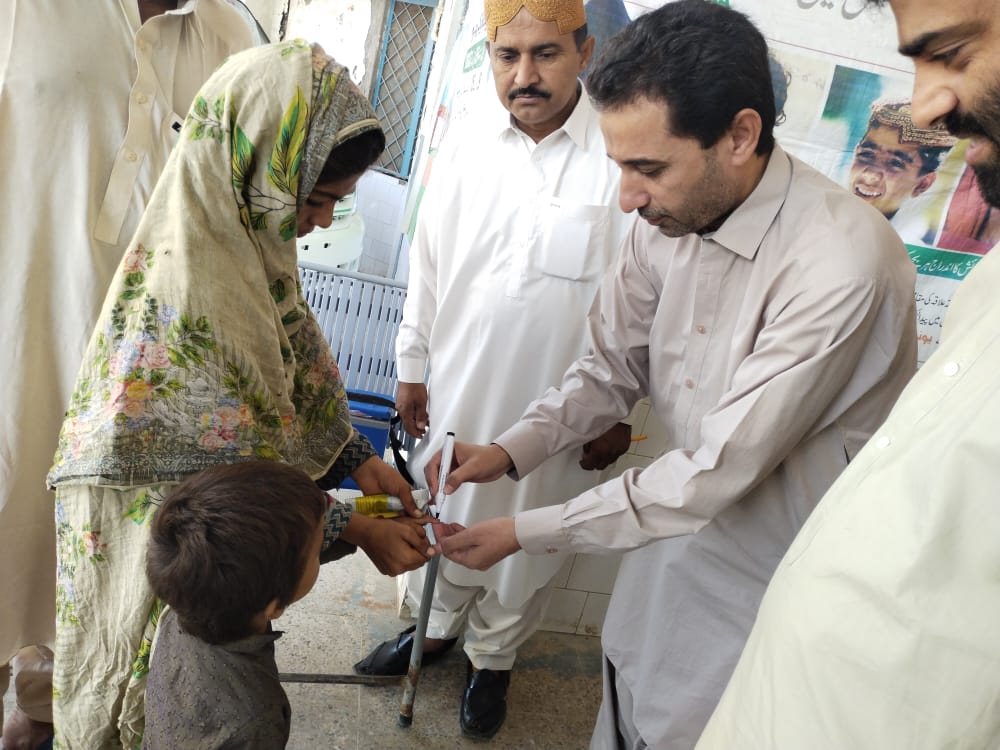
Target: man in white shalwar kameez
column 515, row 230
column 92, row 95
column 769, row 316
column 880, row 627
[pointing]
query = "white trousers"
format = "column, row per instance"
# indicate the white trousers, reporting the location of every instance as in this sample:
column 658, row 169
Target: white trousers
column 492, row 632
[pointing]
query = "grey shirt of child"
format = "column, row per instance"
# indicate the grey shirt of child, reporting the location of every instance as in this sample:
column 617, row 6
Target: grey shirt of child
column 201, row 696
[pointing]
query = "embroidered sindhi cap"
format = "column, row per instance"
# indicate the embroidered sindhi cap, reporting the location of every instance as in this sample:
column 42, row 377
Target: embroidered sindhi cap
column 898, row 114
column 568, row 14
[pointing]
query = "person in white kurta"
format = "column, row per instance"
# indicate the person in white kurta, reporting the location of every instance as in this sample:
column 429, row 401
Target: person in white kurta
column 771, row 342
column 512, row 242
column 879, row 628
column 89, row 100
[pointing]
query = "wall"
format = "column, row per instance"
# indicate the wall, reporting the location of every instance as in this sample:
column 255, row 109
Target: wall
column 380, row 199
column 339, row 26
column 352, row 32
column 269, row 13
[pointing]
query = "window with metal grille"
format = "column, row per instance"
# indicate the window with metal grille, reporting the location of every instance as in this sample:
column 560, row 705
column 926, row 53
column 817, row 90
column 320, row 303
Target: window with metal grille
column 402, row 79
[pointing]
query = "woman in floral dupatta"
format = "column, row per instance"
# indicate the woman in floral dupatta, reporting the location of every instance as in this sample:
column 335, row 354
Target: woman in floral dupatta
column 206, row 353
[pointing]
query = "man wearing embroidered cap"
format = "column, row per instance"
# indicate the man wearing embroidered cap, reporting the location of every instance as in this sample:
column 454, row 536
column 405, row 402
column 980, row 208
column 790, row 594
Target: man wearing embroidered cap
column 515, row 230
column 896, row 160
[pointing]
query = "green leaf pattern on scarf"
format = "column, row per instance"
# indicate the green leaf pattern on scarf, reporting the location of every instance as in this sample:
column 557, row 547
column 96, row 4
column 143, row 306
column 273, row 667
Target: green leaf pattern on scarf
column 242, row 157
column 174, row 381
column 286, row 156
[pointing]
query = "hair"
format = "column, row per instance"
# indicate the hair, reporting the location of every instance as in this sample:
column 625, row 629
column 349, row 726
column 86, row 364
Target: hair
column 229, row 540
column 780, row 80
column 704, row 61
column 580, row 36
column 353, row 156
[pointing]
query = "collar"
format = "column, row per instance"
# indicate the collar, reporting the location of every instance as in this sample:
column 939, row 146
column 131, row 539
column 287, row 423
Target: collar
column 252, row 643
column 745, row 228
column 578, row 126
column 182, row 8
column 229, row 19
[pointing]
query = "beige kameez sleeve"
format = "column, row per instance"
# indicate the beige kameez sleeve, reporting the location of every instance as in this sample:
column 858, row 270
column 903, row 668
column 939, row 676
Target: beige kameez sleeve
column 810, row 362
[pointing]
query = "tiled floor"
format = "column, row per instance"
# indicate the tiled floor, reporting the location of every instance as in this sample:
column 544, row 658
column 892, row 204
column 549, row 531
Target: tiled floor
column 554, row 694
column 552, row 702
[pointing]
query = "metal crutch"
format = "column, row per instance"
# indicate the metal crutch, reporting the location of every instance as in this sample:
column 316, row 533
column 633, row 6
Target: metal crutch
column 417, row 653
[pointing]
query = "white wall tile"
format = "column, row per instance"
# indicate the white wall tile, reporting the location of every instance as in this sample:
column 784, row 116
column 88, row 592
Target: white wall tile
column 594, row 573
column 403, row 266
column 592, row 617
column 377, row 251
column 563, row 614
column 387, row 213
column 373, row 266
column 637, row 417
column 655, row 443
column 562, row 575
column 387, row 234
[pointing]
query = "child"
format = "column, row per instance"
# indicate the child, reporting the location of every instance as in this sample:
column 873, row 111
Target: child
column 229, row 550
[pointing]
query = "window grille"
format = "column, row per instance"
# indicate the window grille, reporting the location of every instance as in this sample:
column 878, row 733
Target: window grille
column 402, row 79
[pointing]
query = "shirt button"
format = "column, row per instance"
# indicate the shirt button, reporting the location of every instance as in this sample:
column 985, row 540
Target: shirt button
column 950, row 369
column 131, row 155
column 142, row 98
column 884, row 442
column 700, row 329
column 689, row 383
column 550, row 550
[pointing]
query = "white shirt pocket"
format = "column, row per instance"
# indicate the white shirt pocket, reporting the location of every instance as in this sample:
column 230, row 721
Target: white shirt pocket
column 572, row 239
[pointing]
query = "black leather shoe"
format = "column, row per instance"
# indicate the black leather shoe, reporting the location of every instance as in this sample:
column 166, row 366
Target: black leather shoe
column 484, row 703
column 393, row 657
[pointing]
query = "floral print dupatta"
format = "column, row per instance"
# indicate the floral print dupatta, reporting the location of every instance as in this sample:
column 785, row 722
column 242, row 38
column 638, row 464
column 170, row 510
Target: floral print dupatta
column 205, row 351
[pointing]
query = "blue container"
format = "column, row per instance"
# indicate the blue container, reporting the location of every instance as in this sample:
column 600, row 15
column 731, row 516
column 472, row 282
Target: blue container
column 370, row 415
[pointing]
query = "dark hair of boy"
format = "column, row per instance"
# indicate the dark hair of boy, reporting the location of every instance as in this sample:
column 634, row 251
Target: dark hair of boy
column 228, row 541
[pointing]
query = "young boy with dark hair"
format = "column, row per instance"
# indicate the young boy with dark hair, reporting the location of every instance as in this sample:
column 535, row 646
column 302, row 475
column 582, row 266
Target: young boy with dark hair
column 229, row 550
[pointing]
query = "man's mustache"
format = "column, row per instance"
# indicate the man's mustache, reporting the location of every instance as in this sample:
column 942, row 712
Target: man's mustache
column 964, row 125
column 528, row 91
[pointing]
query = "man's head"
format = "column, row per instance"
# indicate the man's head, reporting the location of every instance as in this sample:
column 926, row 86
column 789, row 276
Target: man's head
column 538, row 48
column 896, row 160
column 233, row 545
column 689, row 122
column 955, row 48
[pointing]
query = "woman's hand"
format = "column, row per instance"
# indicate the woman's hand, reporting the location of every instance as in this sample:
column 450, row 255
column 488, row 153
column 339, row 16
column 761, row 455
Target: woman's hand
column 395, row 545
column 375, row 477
